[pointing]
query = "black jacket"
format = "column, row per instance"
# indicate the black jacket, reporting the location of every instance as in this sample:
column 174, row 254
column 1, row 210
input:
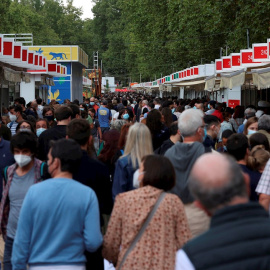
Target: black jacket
column 54, row 133
column 95, row 175
column 164, row 147
column 238, row 239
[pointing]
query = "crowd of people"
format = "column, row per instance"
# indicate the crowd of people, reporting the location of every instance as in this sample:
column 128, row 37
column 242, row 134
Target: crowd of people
column 133, row 181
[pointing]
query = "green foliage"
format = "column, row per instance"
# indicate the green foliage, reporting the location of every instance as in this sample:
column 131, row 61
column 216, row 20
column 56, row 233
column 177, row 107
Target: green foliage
column 144, row 39
column 159, row 37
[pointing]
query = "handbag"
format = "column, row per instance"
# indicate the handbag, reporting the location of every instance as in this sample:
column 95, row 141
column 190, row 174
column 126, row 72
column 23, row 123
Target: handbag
column 144, row 226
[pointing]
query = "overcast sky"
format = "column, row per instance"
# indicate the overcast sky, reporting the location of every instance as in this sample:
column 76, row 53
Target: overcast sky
column 86, row 7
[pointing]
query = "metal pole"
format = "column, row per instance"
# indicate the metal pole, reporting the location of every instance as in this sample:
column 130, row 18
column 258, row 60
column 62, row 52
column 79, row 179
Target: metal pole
column 140, row 77
column 247, row 38
column 220, row 53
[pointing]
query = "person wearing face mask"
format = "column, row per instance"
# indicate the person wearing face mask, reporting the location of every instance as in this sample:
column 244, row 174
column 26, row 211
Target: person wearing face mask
column 26, row 171
column 224, row 138
column 41, row 125
column 63, row 116
column 104, row 116
column 251, row 126
column 87, row 102
column 93, row 104
column 48, row 114
column 212, row 129
column 125, row 115
column 183, row 155
column 15, row 116
column 59, row 218
column 211, row 107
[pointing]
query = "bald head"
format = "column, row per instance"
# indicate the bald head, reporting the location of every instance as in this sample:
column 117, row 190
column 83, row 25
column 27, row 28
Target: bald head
column 215, row 180
column 211, row 169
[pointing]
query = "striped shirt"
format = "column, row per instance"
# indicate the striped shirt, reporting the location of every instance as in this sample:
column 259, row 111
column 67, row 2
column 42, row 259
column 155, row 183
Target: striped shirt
column 264, row 183
column 12, row 126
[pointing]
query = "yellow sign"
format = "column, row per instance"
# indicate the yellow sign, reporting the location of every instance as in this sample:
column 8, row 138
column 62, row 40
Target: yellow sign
column 62, row 53
column 54, row 96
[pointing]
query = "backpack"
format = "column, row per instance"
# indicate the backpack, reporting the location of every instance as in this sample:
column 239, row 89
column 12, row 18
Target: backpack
column 43, row 171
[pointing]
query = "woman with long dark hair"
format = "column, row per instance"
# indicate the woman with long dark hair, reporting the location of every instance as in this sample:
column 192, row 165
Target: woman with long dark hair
column 237, row 118
column 158, row 131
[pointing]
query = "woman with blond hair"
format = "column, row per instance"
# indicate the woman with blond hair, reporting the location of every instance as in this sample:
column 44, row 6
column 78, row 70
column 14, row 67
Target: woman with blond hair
column 138, row 145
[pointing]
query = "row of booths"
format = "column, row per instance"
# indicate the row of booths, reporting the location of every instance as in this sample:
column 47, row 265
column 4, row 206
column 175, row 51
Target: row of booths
column 238, row 79
column 40, row 71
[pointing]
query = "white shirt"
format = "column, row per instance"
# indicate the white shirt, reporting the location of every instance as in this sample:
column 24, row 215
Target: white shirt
column 115, row 116
column 113, row 112
column 182, row 262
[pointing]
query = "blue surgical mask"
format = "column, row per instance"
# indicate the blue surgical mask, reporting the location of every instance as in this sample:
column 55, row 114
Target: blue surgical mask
column 208, row 106
column 82, row 109
column 126, row 116
column 39, row 131
column 250, row 131
column 87, row 104
column 173, row 110
column 225, row 148
column 194, row 107
column 92, row 103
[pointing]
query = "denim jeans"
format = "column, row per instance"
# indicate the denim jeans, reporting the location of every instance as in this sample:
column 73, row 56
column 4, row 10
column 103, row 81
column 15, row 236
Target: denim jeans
column 7, row 253
column 104, row 129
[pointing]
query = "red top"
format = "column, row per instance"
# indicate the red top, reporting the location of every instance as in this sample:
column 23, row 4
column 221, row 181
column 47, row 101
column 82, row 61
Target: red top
column 219, row 115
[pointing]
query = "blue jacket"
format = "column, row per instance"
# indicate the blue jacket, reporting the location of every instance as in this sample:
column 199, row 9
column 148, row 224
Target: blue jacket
column 123, row 176
column 59, row 219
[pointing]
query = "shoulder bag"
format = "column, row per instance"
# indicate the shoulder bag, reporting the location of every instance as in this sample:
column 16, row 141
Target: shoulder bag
column 144, row 226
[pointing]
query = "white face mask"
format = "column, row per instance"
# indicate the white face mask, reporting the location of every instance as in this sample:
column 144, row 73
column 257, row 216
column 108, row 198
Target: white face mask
column 22, row 160
column 13, row 118
column 136, row 181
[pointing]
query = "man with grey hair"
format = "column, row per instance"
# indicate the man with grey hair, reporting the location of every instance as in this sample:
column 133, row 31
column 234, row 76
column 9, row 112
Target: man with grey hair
column 145, row 107
column 249, row 112
column 264, row 126
column 239, row 233
column 183, row 156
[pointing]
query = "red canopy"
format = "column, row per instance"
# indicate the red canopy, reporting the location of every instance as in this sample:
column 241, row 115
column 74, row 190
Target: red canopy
column 123, row 90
